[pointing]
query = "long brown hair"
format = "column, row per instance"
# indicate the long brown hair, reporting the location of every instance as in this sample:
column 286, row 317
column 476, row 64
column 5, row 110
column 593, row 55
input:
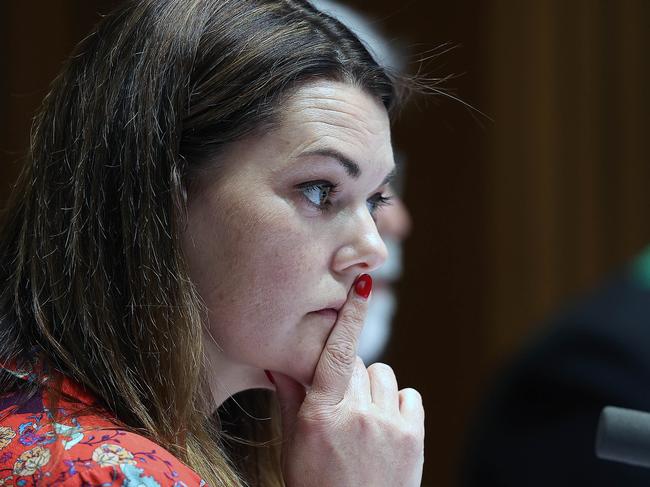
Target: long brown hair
column 93, row 276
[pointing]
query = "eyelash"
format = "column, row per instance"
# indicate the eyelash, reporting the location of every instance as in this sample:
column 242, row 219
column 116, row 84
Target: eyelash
column 378, row 200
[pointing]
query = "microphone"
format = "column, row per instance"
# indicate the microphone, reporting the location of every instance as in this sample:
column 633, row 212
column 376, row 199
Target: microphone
column 624, row 436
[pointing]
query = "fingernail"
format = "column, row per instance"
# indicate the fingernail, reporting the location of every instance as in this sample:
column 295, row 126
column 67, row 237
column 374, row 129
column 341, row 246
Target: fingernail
column 270, row 376
column 363, row 286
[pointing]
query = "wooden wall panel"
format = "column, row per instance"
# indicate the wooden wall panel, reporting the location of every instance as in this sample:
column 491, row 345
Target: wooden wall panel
column 567, row 187
column 634, row 113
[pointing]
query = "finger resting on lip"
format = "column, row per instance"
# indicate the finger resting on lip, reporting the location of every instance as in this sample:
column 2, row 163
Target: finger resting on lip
column 338, row 358
column 383, row 386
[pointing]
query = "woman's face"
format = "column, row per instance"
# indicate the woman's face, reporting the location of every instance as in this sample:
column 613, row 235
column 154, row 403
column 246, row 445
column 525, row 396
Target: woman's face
column 283, row 228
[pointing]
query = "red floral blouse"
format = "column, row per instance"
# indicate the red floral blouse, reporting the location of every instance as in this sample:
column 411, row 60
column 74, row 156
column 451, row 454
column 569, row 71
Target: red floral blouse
column 89, row 450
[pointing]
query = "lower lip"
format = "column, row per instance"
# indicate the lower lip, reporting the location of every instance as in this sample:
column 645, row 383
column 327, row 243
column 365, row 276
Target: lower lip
column 327, row 313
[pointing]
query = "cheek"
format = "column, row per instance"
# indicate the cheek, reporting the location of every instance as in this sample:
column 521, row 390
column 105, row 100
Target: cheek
column 279, row 242
column 258, row 273
column 288, row 256
column 284, row 265
column 289, row 268
column 267, row 262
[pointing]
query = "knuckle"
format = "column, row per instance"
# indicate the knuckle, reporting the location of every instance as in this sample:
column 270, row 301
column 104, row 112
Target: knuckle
column 417, row 431
column 358, row 363
column 380, row 368
column 317, row 410
column 412, row 439
column 316, row 416
column 411, row 394
column 341, row 354
column 365, row 425
column 413, row 444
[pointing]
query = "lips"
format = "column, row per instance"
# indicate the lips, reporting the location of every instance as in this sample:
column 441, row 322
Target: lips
column 336, row 305
column 332, row 308
column 329, row 313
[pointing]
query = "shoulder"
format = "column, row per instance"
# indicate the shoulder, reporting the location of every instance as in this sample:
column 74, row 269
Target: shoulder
column 76, row 451
column 123, row 458
column 593, row 351
column 77, row 445
column 604, row 335
column 544, row 407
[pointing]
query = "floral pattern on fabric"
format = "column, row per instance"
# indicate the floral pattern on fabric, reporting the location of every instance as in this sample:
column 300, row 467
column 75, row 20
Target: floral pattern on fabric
column 31, row 461
column 6, row 435
column 112, row 455
column 39, row 448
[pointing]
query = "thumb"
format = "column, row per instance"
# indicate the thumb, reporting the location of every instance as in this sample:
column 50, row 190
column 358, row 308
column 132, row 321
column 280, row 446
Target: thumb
column 291, row 395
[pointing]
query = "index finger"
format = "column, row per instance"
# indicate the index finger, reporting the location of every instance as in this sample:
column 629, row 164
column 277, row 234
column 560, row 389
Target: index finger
column 337, row 360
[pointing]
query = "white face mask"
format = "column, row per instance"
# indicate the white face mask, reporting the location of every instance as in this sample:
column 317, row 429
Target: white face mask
column 382, row 306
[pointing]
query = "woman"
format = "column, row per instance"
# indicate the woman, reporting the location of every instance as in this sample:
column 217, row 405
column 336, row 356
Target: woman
column 196, row 219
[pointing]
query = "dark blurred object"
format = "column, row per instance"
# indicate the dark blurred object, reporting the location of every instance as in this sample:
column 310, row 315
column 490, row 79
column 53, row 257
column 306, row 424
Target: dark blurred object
column 624, row 436
column 539, row 426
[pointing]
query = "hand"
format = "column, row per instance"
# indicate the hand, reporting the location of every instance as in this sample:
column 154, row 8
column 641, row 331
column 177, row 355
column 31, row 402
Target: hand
column 353, row 427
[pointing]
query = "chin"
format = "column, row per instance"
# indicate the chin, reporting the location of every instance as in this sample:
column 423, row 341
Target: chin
column 305, row 378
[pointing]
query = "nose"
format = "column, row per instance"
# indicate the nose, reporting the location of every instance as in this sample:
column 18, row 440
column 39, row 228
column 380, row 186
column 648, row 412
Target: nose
column 363, row 249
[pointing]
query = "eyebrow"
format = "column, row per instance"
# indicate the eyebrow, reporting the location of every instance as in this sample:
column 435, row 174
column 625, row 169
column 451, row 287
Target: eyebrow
column 351, row 168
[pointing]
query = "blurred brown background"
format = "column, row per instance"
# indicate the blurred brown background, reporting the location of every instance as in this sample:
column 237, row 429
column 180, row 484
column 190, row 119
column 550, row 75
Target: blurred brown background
column 512, row 217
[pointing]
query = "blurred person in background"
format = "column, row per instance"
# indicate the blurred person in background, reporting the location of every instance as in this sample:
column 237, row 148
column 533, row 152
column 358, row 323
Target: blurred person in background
column 538, row 425
column 394, row 225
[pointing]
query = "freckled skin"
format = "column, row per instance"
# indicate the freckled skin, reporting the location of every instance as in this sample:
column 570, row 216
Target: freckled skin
column 263, row 257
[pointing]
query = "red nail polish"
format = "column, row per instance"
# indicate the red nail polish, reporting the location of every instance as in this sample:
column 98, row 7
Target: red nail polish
column 270, row 376
column 363, row 286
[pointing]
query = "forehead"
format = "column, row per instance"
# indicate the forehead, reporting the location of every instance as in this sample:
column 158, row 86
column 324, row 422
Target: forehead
column 318, row 119
column 337, row 116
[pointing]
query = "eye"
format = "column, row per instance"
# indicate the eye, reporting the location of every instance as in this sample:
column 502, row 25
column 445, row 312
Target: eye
column 377, row 201
column 319, row 193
